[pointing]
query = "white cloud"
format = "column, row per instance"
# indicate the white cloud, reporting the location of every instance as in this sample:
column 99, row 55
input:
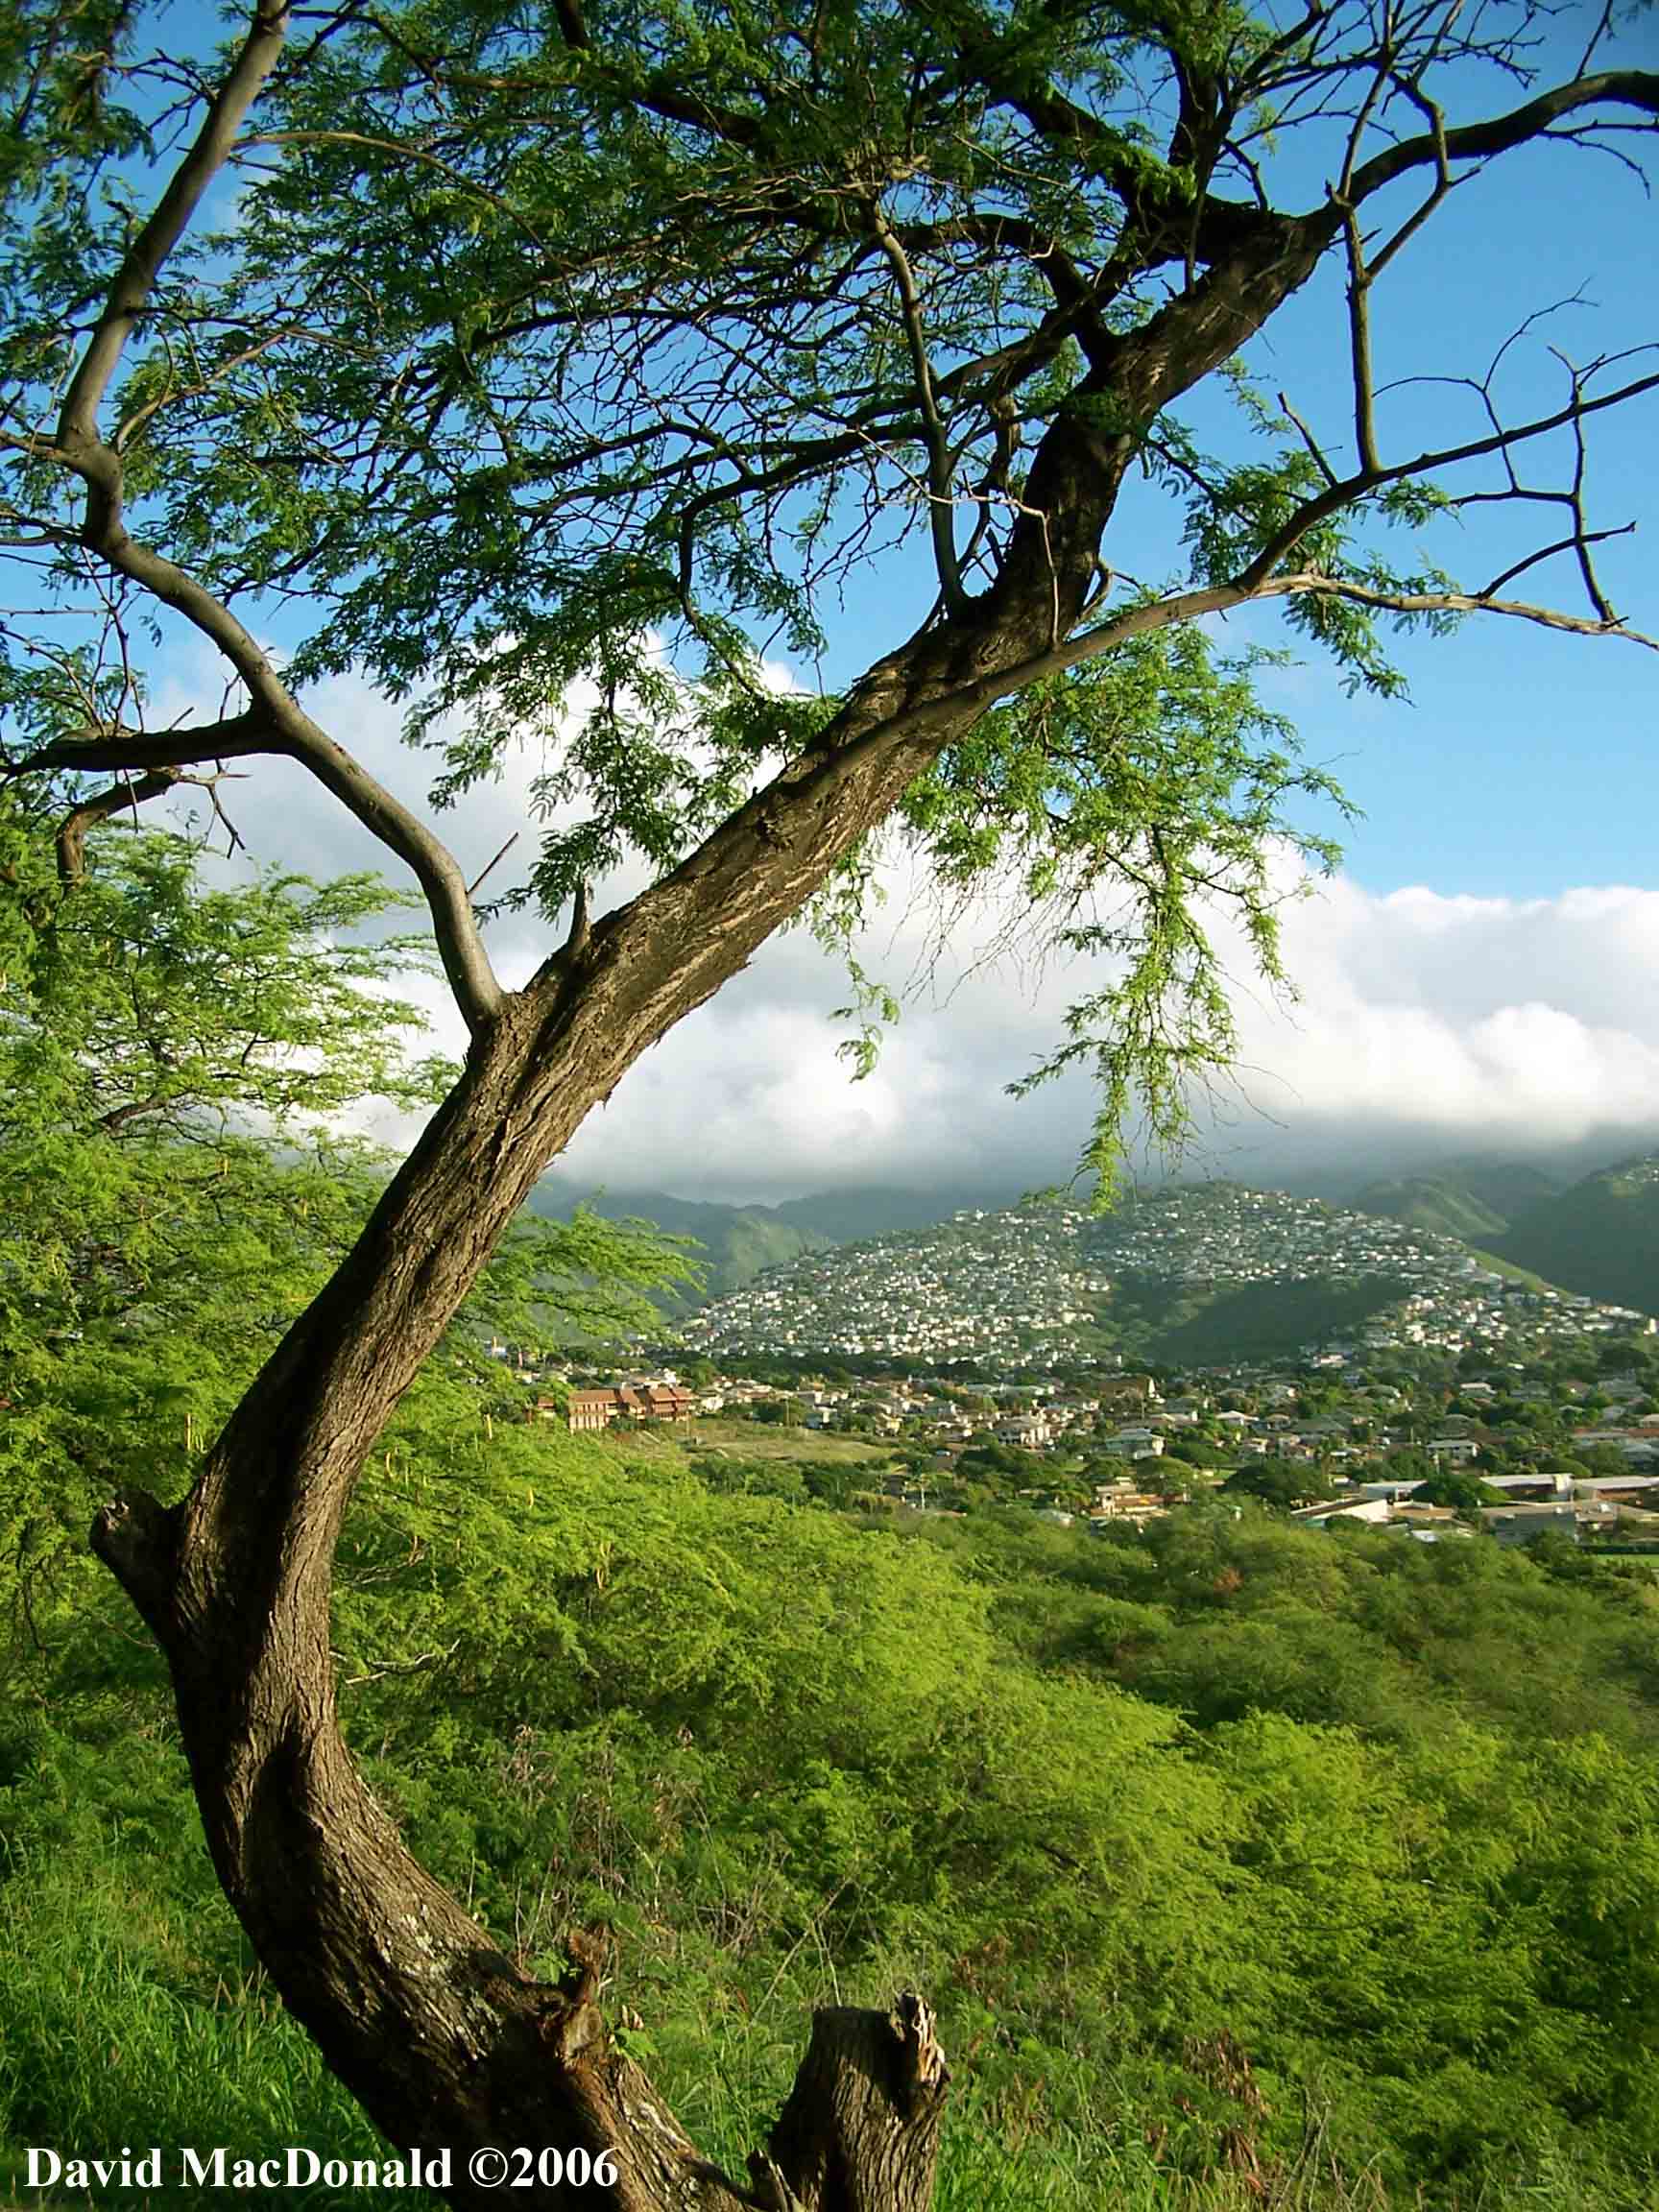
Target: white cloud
column 1428, row 1023
column 1534, row 1025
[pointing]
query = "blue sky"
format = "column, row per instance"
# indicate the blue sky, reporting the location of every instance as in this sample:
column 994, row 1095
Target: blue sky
column 1529, row 760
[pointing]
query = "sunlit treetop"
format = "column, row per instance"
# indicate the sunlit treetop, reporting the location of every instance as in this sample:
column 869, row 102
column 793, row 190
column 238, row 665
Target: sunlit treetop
column 554, row 364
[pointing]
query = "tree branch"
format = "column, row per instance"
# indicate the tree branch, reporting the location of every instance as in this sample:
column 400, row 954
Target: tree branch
column 80, row 448
column 1455, row 603
column 941, row 513
column 1344, row 492
column 72, row 829
column 142, row 263
column 1618, row 87
column 277, row 726
column 92, row 751
column 1221, row 599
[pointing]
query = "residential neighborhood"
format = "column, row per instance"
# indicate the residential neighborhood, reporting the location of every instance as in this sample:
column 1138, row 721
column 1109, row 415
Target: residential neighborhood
column 1000, row 1358
column 1045, row 1282
column 1569, row 1447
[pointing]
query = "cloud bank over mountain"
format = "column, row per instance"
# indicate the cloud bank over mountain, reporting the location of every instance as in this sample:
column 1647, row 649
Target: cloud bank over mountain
column 1427, row 1024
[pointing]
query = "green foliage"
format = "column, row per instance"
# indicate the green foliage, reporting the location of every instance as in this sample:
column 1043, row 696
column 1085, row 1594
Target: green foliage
column 1280, row 1482
column 170, row 1192
column 138, row 999
column 1157, row 780
column 1599, row 1238
column 1237, row 512
column 1380, row 1818
column 1455, row 1486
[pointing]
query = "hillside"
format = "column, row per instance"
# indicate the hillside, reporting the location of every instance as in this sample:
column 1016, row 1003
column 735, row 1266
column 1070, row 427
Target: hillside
column 739, row 1241
column 1206, row 1272
column 1601, row 1237
column 1474, row 1199
column 1260, row 1320
column 736, row 1242
column 1444, row 1208
column 843, row 1217
column 1506, row 1187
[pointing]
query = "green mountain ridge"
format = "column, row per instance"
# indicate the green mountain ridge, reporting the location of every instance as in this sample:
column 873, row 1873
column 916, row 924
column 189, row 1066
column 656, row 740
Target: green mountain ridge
column 1431, row 1203
column 1597, row 1237
column 1601, row 1237
column 1472, row 1199
column 739, row 1242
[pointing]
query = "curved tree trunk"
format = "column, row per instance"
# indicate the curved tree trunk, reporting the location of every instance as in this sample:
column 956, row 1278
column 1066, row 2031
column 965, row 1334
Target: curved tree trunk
column 446, row 2041
column 443, row 2039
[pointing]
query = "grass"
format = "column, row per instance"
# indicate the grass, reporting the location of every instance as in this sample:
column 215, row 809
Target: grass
column 1508, row 1268
column 767, row 1440
column 113, row 2034
column 130, row 2016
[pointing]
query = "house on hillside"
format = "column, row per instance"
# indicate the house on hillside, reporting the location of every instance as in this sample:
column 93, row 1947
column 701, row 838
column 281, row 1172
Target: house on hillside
column 587, row 1411
column 1514, row 1524
column 1133, row 1444
column 584, row 1411
column 1376, row 1512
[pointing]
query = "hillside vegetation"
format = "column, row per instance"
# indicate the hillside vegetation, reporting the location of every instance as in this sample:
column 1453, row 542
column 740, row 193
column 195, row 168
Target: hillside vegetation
column 1601, row 1237
column 1431, row 1203
column 1213, row 1843
column 731, row 1244
column 1182, row 1324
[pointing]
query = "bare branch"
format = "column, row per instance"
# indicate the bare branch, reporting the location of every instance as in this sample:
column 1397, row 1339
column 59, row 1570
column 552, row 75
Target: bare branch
column 72, row 829
column 1438, row 191
column 1501, row 441
column 1577, row 543
column 489, row 864
column 1474, row 141
column 1314, row 448
column 1456, row 603
column 1359, row 347
column 940, row 512
column 77, row 421
column 1581, row 536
